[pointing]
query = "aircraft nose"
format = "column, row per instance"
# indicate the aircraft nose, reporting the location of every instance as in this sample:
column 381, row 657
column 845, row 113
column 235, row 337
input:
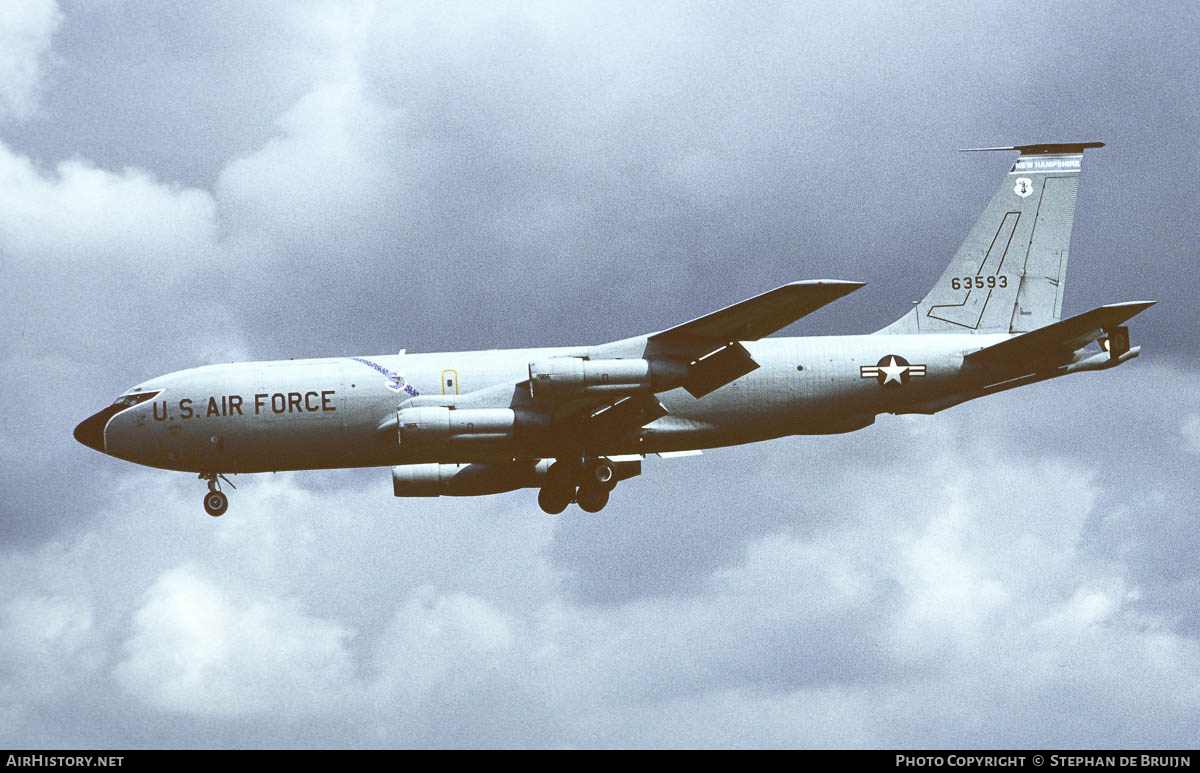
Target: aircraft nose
column 90, row 431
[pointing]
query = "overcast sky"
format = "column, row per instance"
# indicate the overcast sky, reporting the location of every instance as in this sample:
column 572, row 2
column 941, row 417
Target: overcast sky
column 183, row 184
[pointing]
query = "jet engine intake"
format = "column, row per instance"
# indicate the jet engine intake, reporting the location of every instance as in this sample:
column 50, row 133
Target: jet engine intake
column 574, row 375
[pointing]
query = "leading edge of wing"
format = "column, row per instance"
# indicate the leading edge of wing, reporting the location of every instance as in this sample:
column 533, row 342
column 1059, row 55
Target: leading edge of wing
column 759, row 316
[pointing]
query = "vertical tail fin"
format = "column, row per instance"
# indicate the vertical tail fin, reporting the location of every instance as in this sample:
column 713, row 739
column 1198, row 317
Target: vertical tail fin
column 1009, row 274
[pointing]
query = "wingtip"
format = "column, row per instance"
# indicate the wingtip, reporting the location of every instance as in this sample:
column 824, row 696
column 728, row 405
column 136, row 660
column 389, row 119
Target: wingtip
column 850, row 284
column 836, row 282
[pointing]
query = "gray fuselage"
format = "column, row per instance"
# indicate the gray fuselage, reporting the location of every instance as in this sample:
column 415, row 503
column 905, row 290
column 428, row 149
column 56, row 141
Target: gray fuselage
column 341, row 412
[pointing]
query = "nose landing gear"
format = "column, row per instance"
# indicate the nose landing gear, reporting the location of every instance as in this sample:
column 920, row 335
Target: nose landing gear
column 215, row 501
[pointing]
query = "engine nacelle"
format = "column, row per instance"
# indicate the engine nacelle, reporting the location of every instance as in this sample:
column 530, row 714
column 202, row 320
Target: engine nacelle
column 575, row 375
column 469, row 480
column 465, row 480
column 441, row 425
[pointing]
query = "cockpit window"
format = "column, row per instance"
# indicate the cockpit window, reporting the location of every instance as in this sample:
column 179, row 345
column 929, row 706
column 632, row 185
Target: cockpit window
column 128, row 401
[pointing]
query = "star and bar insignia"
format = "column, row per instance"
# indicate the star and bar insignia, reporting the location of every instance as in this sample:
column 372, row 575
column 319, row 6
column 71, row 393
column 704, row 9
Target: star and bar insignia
column 892, row 370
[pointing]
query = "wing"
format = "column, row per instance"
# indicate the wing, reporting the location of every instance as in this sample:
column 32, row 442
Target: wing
column 1060, row 340
column 710, row 343
column 700, row 356
column 756, row 317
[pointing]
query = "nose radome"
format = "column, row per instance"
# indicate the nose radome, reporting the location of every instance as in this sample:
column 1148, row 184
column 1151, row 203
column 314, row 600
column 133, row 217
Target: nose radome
column 90, row 431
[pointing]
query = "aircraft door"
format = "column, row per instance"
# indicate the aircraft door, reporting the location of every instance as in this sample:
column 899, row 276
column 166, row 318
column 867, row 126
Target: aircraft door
column 449, row 382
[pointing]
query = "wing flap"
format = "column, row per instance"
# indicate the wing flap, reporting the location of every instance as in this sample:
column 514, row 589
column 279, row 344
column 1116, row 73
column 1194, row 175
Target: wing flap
column 759, row 316
column 1060, row 338
column 717, row 369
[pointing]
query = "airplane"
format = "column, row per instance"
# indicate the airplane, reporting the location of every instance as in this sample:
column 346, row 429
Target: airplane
column 575, row 421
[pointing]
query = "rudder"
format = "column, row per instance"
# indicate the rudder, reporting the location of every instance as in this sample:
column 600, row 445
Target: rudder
column 1009, row 274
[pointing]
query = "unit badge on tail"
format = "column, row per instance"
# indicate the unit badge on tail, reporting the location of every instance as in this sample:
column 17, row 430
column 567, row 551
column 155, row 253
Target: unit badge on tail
column 892, row 370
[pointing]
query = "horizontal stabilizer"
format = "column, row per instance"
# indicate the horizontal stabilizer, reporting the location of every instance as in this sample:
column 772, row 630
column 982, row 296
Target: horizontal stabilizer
column 759, row 316
column 1051, row 148
column 1060, row 338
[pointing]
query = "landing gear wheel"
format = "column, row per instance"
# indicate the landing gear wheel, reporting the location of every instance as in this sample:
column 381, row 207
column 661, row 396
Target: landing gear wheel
column 215, row 503
column 554, row 499
column 592, row 498
column 559, row 476
column 602, row 473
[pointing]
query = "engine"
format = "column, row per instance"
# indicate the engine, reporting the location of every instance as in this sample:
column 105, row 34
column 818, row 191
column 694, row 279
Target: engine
column 464, row 480
column 439, row 425
column 476, row 479
column 574, row 375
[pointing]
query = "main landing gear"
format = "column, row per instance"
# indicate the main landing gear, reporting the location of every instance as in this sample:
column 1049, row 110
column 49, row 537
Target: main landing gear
column 587, row 482
column 215, row 501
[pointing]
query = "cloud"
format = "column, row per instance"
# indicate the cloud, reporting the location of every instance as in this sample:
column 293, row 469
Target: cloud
column 49, row 641
column 95, row 255
column 25, row 32
column 435, row 634
column 1190, row 430
column 80, row 214
column 325, row 176
column 196, row 649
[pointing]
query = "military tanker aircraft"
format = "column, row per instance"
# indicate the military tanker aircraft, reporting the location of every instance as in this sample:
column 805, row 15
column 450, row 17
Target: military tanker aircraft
column 574, row 421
